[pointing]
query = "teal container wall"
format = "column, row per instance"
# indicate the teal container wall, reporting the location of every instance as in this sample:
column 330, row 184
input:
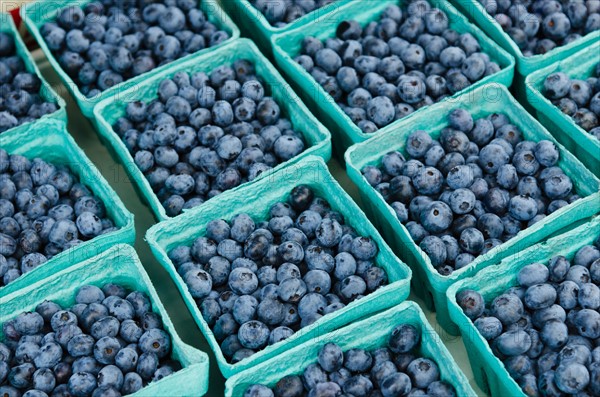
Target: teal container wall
column 317, row 138
column 48, row 139
column 37, row 13
column 345, row 132
column 119, row 265
column 374, row 333
column 255, row 200
column 427, row 282
column 7, row 25
column 582, row 144
column 490, row 373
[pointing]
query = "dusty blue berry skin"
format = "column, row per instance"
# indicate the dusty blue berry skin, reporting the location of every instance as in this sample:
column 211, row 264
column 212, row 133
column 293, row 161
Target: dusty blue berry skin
column 479, row 183
column 257, row 282
column 546, row 321
column 385, row 70
column 109, row 45
column 578, row 99
column 83, row 354
column 21, row 100
column 206, row 133
column 390, row 370
column 45, row 210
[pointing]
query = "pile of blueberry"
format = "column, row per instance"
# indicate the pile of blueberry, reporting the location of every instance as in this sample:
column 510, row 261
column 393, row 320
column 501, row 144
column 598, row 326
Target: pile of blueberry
column 385, row 70
column 205, row 134
column 44, row 210
column 471, row 189
column 538, row 26
column 110, row 41
column 20, row 101
column 546, row 329
column 395, row 370
column 258, row 283
column 578, row 99
column 109, row 343
column 280, row 13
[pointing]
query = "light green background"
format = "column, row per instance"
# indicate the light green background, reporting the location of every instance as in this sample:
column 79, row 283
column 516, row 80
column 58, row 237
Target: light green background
column 81, row 129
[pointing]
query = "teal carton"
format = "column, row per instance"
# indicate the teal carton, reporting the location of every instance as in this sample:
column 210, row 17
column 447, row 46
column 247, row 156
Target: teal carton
column 47, row 93
column 317, row 138
column 582, row 144
column 255, row 200
column 37, row 13
column 490, row 373
column 353, row 336
column 49, row 140
column 525, row 65
column 427, row 282
column 119, row 265
column 345, row 133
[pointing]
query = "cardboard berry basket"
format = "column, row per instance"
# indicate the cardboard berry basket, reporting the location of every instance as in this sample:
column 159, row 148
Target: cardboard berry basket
column 37, row 13
column 379, row 327
column 525, row 65
column 345, row 133
column 255, row 25
column 255, row 200
column 317, row 138
column 50, row 141
column 490, row 373
column 492, row 98
column 119, row 265
column 47, row 93
column 580, row 65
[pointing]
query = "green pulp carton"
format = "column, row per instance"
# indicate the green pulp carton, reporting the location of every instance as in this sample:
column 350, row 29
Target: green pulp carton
column 49, row 140
column 490, row 373
column 7, row 26
column 37, row 13
column 119, row 265
column 345, row 133
column 317, row 138
column 427, row 282
column 255, row 25
column 255, row 200
column 580, row 65
column 370, row 334
column 525, row 65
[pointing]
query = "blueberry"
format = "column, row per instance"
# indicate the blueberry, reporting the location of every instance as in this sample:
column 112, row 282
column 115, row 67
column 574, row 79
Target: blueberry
column 199, row 282
column 471, row 302
column 331, row 357
column 557, row 186
column 513, row 343
column 435, row 249
column 507, row 308
column 411, row 89
column 586, row 255
column 539, row 296
column 270, row 311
